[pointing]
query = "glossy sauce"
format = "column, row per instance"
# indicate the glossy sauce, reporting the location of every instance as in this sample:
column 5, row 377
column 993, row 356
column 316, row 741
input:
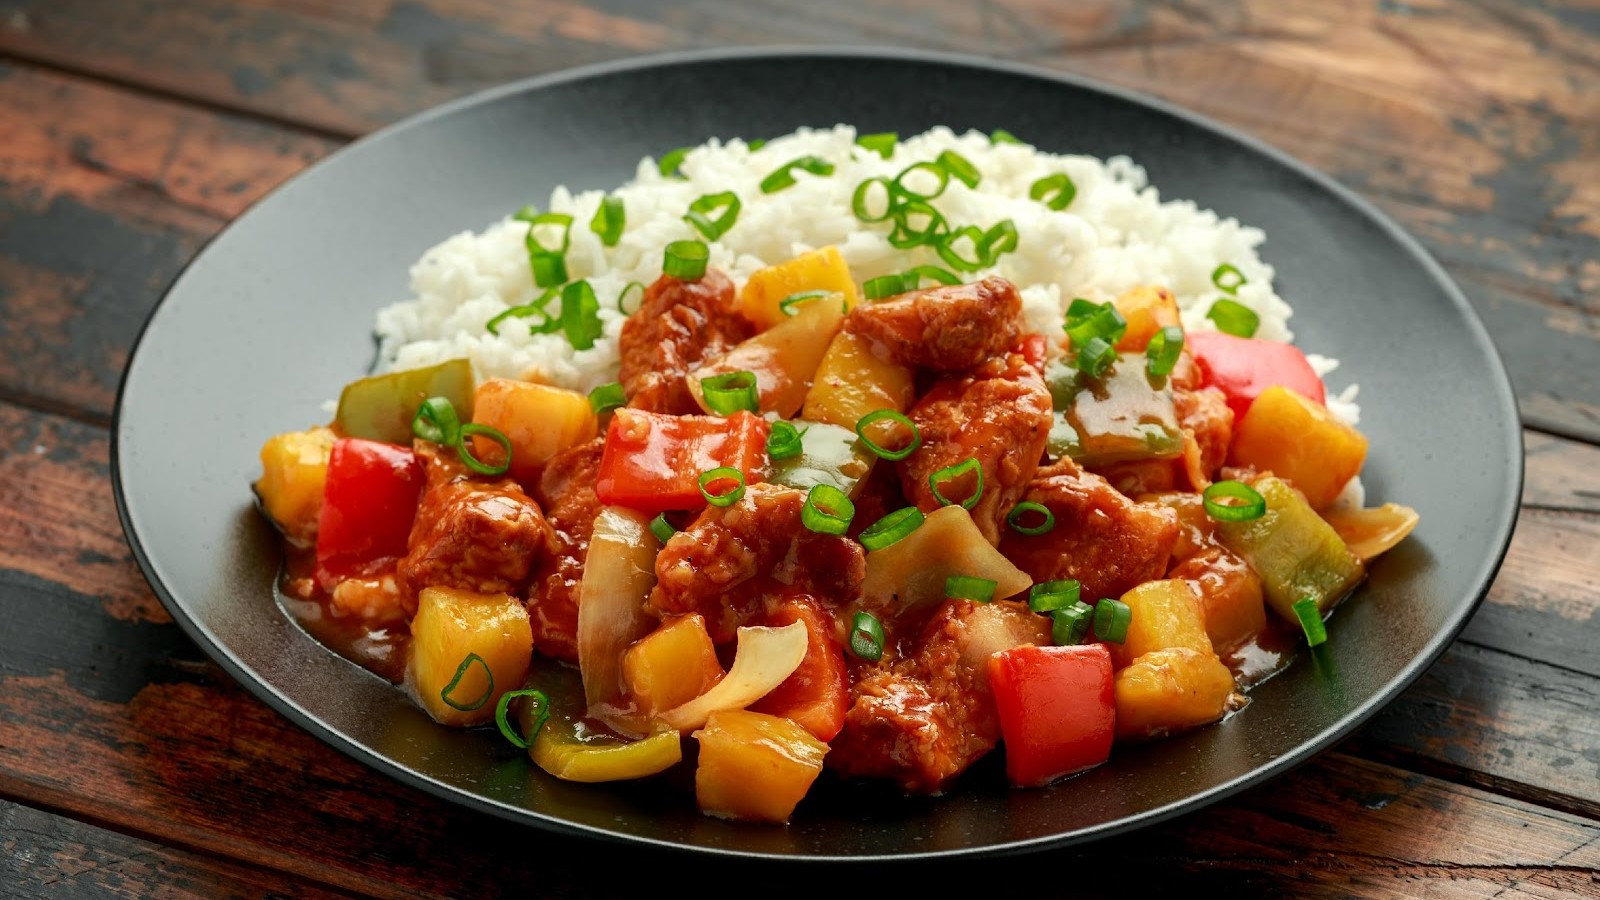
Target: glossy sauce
column 381, row 649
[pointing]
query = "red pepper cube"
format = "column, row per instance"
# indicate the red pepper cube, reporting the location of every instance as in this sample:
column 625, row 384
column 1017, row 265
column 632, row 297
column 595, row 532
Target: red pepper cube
column 1244, row 367
column 1057, row 710
column 368, row 504
column 653, row 462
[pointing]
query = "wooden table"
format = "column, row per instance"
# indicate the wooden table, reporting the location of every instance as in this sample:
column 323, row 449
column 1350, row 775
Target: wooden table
column 130, row 132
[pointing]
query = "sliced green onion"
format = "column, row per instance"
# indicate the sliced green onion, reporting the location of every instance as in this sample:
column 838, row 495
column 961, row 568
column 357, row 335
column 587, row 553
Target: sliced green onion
column 966, row 587
column 1305, row 609
column 549, row 269
column 1000, row 238
column 860, row 199
column 1105, row 322
column 960, row 168
column 622, row 298
column 1111, row 620
column 526, row 214
column 1002, row 136
column 889, row 415
column 461, row 672
column 436, row 421
column 783, row 176
column 881, row 143
column 502, row 718
column 939, row 172
column 1162, row 353
column 884, row 286
column 722, row 473
column 951, row 255
column 866, row 637
column 892, row 527
column 783, row 442
column 906, row 235
column 730, row 392
column 609, row 220
column 1228, row 279
column 1023, row 510
column 671, row 161
column 1095, row 357
column 756, row 144
column 1233, row 317
column 1080, row 309
column 686, row 260
column 787, row 305
column 537, row 307
column 1055, row 191
column 662, row 529
column 606, row 397
column 951, row 473
column 725, row 205
column 1069, row 625
column 580, row 315
column 475, row 464
column 1047, row 596
column 932, row 273
column 561, row 221
column 1251, row 505
column 827, row 510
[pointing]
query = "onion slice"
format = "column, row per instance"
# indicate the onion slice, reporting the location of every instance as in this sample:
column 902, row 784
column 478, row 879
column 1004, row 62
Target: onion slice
column 910, row 573
column 1371, row 532
column 765, row 658
column 618, row 575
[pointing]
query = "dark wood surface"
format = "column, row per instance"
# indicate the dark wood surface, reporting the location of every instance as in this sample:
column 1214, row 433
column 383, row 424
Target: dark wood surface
column 132, row 131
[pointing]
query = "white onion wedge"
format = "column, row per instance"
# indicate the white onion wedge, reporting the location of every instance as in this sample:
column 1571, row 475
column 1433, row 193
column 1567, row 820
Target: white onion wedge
column 1370, row 533
column 618, row 575
column 911, row 571
column 765, row 658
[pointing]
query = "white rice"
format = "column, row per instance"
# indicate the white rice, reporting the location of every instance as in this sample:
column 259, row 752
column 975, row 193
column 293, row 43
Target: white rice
column 1116, row 234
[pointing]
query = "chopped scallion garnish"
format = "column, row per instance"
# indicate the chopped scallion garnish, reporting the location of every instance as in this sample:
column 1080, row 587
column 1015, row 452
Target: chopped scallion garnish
column 960, row 168
column 932, row 273
column 461, row 672
column 1233, row 317
column 861, row 200
column 472, row 462
column 730, row 392
column 548, row 259
column 889, row 415
column 606, row 397
column 1161, row 354
column 1087, row 320
column 1250, row 504
column 628, row 290
column 788, row 305
column 671, row 161
column 1055, row 191
column 783, row 176
column 1044, row 519
column 503, row 720
column 916, row 223
column 662, row 529
column 686, row 260
column 783, row 442
column 901, row 184
column 966, row 587
column 1310, row 616
column 892, row 527
column 526, row 213
column 609, row 220
column 1047, row 596
column 716, row 476
column 436, row 421
column 713, row 214
column 1002, row 136
column 951, row 474
column 1095, row 357
column 866, row 637
column 1111, row 620
column 580, row 315
column 827, row 510
column 1069, row 625
column 1228, row 279
column 884, row 286
column 881, row 143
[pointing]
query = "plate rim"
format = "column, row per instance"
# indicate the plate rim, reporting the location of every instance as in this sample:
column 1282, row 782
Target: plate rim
column 1508, row 505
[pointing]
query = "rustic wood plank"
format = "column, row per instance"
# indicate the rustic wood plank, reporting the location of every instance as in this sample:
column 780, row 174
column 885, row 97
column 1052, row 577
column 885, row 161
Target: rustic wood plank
column 104, row 196
column 48, row 855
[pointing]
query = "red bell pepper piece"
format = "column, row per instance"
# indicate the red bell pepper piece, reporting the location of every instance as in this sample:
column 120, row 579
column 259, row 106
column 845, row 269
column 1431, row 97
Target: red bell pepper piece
column 817, row 695
column 1057, row 713
column 653, row 462
column 1244, row 367
column 368, row 504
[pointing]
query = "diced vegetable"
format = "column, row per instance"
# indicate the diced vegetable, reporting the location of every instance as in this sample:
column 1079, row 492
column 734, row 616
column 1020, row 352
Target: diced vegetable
column 852, row 381
column 817, row 694
column 618, row 573
column 1056, row 710
column 754, row 767
column 381, row 407
column 294, row 468
column 829, row 455
column 573, row 751
column 1170, row 690
column 1369, row 533
column 1300, row 441
column 1148, row 310
column 764, row 659
column 1118, row 417
column 540, row 421
column 466, row 650
column 1166, row 614
column 1244, row 367
column 819, row 270
column 652, row 462
column 1294, row 551
column 368, row 502
column 671, row 665
column 1230, row 595
column 783, row 358
column 910, row 573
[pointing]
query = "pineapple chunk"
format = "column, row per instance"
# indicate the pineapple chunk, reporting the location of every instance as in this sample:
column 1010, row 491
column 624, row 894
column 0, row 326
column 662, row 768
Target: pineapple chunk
column 1170, row 690
column 754, row 767
column 540, row 421
column 1300, row 441
column 449, row 628
column 852, row 381
column 294, row 467
column 1230, row 596
column 819, row 270
column 784, row 358
column 1166, row 614
column 1148, row 310
column 671, row 665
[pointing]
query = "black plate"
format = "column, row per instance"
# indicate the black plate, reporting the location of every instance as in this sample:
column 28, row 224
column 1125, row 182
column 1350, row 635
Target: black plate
column 275, row 316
